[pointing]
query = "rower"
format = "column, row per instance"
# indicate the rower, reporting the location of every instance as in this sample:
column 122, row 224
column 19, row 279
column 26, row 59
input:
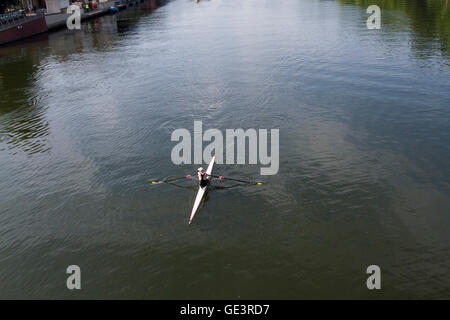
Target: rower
column 202, row 177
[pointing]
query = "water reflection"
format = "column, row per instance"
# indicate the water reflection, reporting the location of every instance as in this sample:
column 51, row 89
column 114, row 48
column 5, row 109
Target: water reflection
column 23, row 65
column 22, row 119
column 424, row 20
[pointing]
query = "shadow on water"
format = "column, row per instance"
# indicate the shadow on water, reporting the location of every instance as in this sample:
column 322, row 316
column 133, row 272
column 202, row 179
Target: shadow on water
column 23, row 122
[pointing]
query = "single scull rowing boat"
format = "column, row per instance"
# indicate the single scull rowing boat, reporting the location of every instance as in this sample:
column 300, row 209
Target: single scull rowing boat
column 201, row 191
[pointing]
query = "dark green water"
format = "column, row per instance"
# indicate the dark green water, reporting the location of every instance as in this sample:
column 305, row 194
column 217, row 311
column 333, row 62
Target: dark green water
column 364, row 119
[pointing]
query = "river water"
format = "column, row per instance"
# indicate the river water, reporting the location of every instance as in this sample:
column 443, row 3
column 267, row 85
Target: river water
column 364, row 120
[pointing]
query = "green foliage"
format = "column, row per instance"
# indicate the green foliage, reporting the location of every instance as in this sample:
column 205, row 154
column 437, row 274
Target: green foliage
column 424, row 18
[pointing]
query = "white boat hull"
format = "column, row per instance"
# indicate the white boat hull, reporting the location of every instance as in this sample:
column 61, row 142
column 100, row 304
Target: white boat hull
column 201, row 191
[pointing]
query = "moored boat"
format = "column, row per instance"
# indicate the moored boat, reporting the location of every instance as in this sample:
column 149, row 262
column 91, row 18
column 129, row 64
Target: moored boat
column 18, row 25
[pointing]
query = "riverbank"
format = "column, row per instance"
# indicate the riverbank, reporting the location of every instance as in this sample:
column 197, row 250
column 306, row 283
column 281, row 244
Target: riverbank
column 27, row 26
column 58, row 20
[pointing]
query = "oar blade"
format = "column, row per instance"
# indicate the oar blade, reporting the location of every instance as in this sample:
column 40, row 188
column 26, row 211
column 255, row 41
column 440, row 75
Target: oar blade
column 170, row 180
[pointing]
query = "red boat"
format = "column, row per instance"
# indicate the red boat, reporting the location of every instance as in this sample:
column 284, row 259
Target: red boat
column 17, row 25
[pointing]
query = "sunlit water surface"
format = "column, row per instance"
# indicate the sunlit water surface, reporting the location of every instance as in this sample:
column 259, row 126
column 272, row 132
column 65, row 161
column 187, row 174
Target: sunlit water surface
column 364, row 119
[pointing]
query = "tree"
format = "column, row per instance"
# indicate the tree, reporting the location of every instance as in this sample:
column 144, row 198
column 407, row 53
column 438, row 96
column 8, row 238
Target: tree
column 5, row 4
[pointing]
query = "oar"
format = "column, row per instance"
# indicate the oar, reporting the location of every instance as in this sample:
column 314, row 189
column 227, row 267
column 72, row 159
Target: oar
column 250, row 182
column 170, row 180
